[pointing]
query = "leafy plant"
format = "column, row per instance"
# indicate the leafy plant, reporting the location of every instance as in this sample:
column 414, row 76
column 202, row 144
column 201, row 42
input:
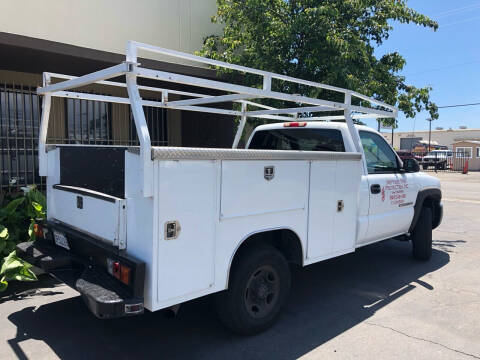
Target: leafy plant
column 327, row 41
column 14, row 268
column 18, row 213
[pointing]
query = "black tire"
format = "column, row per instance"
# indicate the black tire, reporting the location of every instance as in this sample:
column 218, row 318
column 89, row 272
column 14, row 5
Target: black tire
column 422, row 235
column 424, row 167
column 258, row 288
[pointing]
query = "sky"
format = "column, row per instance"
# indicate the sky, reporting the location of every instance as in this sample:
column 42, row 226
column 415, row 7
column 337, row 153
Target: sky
column 448, row 60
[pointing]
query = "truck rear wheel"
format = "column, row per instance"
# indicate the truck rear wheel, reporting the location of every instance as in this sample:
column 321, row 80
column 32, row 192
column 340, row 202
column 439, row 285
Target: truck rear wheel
column 258, row 288
column 422, row 235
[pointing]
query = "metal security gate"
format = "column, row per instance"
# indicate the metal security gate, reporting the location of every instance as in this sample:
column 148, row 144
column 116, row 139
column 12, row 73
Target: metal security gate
column 444, row 162
column 20, row 110
column 74, row 122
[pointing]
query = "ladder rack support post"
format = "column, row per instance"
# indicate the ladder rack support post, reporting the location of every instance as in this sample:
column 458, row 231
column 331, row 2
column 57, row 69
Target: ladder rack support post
column 351, row 126
column 241, row 126
column 143, row 135
column 42, row 139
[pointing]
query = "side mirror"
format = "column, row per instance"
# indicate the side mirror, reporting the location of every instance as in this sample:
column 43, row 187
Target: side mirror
column 411, row 165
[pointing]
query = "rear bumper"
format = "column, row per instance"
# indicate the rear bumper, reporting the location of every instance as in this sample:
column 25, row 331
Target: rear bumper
column 83, row 268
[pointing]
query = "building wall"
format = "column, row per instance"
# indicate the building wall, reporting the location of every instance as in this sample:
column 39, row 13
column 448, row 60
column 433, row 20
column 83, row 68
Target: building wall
column 474, row 161
column 108, row 24
column 75, row 38
column 442, row 137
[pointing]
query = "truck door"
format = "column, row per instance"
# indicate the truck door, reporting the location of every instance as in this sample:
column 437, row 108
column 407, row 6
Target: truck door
column 392, row 193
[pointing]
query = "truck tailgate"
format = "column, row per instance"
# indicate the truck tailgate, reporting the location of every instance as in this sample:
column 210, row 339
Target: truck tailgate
column 92, row 212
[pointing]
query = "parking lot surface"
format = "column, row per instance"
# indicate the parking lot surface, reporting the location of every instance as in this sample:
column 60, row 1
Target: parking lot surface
column 377, row 303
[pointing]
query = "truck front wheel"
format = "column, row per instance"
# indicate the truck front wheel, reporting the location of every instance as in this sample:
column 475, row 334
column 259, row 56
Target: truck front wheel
column 258, row 288
column 422, row 235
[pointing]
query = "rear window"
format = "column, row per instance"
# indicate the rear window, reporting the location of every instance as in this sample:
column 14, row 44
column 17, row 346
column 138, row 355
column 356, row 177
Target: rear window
column 298, row 139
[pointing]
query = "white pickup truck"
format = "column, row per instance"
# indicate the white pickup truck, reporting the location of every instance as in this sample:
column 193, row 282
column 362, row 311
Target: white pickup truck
column 152, row 227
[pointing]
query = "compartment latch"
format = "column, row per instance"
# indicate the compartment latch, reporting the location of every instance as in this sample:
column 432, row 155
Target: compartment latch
column 172, row 230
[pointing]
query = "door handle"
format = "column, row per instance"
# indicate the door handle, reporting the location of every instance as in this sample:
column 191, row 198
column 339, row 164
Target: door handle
column 375, row 189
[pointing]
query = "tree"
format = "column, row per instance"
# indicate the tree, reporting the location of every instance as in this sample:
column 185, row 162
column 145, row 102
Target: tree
column 328, row 41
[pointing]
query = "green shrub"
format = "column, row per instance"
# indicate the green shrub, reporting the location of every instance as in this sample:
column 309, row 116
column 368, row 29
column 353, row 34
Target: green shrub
column 18, row 212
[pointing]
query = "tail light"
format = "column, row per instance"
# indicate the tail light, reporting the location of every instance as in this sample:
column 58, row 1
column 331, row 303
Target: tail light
column 295, row 124
column 125, row 274
column 119, row 271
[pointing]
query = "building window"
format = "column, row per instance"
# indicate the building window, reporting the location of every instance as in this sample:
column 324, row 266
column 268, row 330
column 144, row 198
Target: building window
column 478, row 151
column 88, row 122
column 464, row 152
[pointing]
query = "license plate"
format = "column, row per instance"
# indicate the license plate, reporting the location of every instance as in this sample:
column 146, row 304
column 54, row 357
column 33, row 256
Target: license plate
column 61, row 240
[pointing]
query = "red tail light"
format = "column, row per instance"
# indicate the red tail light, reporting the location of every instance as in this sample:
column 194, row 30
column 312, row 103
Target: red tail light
column 295, row 124
column 119, row 271
column 116, row 269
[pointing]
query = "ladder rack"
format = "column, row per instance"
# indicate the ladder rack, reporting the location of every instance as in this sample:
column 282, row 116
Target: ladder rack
column 244, row 95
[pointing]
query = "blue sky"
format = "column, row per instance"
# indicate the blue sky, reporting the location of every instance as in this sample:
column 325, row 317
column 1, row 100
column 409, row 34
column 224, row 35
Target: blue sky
column 447, row 60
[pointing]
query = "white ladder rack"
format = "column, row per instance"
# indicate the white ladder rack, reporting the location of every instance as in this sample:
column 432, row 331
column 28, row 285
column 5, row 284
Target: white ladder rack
column 235, row 93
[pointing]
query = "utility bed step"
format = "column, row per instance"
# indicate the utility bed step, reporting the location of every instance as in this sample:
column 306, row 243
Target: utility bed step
column 104, row 297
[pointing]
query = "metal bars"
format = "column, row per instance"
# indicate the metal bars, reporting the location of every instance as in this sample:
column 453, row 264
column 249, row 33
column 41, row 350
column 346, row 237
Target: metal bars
column 19, row 119
column 73, row 121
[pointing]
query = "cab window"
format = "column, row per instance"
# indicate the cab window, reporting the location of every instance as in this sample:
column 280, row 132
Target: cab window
column 379, row 155
column 298, row 139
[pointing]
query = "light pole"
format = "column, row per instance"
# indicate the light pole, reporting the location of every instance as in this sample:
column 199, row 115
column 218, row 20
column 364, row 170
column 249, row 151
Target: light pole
column 429, row 133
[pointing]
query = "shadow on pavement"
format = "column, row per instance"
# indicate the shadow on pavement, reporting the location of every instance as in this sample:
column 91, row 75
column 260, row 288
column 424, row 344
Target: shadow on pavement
column 447, row 245
column 17, row 290
column 327, row 299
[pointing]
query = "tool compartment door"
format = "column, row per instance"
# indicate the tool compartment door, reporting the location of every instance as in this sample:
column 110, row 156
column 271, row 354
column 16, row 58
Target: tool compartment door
column 333, row 207
column 186, row 195
column 251, row 188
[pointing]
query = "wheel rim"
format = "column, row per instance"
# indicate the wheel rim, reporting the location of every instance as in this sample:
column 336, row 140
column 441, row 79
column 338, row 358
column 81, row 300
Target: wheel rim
column 262, row 291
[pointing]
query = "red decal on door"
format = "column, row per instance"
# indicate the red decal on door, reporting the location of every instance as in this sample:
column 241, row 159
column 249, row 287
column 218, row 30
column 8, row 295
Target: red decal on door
column 383, row 194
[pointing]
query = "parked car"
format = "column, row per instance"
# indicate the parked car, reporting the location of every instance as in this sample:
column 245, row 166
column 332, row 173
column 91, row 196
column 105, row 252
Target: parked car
column 440, row 159
column 148, row 227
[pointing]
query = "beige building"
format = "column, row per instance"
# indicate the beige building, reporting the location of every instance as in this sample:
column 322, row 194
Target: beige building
column 106, row 25
column 471, row 151
column 79, row 37
column 407, row 140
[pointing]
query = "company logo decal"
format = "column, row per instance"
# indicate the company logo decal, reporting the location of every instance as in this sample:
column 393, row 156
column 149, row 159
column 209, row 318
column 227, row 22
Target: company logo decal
column 395, row 190
column 269, row 172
